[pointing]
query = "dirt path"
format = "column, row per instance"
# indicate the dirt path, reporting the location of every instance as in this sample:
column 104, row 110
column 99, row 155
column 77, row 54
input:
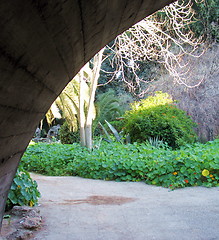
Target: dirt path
column 74, row 208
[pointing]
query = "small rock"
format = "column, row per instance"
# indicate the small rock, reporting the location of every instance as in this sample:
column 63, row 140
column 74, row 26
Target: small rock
column 24, row 210
column 31, row 222
column 20, row 234
column 34, row 213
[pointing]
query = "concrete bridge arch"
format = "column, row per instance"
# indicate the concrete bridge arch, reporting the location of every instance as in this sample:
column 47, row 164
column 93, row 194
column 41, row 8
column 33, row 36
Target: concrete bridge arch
column 43, row 44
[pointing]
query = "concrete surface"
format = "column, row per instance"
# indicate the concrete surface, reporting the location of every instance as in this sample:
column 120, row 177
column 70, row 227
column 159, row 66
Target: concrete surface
column 74, row 208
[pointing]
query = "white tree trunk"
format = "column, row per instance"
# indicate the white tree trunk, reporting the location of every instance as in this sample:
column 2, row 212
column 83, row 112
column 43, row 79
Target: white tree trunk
column 81, row 111
column 90, row 112
column 88, row 136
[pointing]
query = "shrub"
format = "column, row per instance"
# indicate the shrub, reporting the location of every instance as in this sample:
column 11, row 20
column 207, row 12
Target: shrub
column 23, row 190
column 67, row 136
column 158, row 117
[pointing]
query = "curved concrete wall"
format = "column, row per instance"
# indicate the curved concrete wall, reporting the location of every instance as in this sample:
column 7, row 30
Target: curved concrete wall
column 43, row 44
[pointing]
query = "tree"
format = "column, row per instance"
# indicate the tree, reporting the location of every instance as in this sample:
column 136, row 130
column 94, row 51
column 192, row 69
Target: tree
column 86, row 116
column 164, row 38
column 76, row 102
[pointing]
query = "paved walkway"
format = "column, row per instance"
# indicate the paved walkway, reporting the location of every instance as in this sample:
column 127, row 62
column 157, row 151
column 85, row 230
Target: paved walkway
column 83, row 209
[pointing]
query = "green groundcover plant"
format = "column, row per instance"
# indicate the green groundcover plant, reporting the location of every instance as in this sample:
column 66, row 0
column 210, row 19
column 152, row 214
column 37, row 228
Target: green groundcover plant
column 23, row 191
column 192, row 165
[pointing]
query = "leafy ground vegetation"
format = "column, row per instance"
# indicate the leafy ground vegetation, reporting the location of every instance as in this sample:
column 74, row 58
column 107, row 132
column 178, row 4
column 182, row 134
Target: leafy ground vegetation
column 191, row 165
column 23, row 191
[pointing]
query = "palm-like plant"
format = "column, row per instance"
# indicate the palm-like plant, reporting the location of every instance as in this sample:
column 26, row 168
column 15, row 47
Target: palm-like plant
column 68, row 102
column 108, row 107
column 76, row 102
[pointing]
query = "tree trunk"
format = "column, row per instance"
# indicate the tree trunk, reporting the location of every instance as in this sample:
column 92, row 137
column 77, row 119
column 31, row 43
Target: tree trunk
column 90, row 112
column 81, row 112
column 88, row 136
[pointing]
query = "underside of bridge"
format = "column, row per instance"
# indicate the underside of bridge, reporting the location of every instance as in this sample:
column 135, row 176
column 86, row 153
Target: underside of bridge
column 43, row 44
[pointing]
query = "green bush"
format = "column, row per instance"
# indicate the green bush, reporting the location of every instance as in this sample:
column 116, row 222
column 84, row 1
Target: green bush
column 23, row 190
column 67, row 136
column 193, row 165
column 158, row 117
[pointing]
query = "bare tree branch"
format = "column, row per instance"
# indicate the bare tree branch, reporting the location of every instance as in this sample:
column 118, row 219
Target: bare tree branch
column 164, row 37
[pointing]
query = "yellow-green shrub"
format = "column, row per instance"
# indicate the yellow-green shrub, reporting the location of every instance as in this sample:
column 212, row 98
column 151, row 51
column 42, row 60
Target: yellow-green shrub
column 158, row 117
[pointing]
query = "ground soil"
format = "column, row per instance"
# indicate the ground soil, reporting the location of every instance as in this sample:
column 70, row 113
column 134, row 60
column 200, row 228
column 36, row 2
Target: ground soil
column 74, row 208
